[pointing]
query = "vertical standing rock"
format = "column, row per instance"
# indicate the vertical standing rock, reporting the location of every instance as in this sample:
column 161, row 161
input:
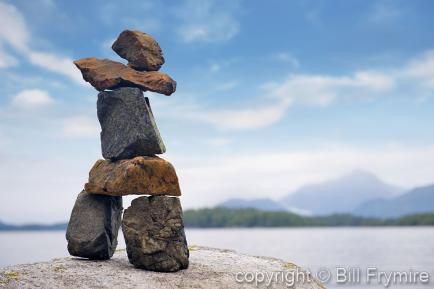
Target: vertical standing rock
column 93, row 227
column 154, row 234
column 128, row 125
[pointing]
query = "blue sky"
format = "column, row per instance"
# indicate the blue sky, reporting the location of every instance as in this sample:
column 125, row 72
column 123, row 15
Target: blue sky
column 271, row 95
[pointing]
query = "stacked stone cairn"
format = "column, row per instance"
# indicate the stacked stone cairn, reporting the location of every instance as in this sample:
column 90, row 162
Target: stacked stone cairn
column 152, row 226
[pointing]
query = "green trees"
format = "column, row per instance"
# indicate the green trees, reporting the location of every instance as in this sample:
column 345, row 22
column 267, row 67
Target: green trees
column 223, row 217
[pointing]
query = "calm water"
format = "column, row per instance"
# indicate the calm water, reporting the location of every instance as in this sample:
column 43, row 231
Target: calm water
column 388, row 249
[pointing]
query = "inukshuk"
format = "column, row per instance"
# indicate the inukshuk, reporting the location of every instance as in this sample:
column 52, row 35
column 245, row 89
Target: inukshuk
column 152, row 226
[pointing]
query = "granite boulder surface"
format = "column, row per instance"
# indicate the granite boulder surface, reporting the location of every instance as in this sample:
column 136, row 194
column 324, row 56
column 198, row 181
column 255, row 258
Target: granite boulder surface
column 209, row 269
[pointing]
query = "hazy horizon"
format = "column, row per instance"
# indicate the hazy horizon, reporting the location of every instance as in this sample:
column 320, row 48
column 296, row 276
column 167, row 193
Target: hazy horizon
column 345, row 180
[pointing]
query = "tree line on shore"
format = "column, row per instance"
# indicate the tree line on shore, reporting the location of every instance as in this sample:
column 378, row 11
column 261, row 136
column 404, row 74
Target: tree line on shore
column 248, row 218
column 224, row 217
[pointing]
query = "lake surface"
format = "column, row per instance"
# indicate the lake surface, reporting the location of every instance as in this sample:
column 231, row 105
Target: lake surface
column 387, row 249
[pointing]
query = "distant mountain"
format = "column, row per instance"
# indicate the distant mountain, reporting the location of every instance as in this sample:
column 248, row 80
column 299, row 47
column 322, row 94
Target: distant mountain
column 342, row 195
column 419, row 200
column 263, row 204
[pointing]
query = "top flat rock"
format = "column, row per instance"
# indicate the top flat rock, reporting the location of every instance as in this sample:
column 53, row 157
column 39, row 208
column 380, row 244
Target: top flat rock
column 209, row 268
column 140, row 49
column 107, row 74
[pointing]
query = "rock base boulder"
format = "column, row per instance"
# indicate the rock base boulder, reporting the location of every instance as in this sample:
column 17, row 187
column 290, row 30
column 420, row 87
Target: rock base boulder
column 154, row 234
column 209, row 269
column 94, row 225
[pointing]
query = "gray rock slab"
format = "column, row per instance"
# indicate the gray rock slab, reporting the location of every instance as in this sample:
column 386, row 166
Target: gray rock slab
column 127, row 124
column 94, row 225
column 209, row 269
column 154, row 234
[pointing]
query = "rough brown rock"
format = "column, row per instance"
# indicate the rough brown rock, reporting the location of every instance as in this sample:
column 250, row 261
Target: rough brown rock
column 140, row 49
column 137, row 176
column 154, row 234
column 106, row 74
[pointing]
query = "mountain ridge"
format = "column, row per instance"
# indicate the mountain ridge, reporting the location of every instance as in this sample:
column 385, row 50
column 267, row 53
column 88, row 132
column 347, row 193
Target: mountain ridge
column 264, row 204
column 372, row 198
column 415, row 201
column 340, row 195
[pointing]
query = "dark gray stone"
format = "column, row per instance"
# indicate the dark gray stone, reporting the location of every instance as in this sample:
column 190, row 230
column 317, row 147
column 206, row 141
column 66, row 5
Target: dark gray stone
column 94, row 225
column 128, row 126
column 154, row 234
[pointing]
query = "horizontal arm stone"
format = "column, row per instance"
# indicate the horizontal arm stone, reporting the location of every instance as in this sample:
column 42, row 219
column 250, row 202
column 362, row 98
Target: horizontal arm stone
column 107, row 74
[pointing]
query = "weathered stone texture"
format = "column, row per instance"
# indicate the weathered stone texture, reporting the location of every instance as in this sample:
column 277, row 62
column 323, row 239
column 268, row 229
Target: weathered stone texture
column 107, row 74
column 128, row 125
column 93, row 227
column 137, row 176
column 140, row 49
column 154, row 234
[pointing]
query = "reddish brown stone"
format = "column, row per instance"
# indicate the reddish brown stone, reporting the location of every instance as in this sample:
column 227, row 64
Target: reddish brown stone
column 137, row 176
column 140, row 49
column 106, row 74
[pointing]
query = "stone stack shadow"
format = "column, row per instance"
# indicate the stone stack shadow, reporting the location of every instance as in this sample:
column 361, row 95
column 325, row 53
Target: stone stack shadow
column 152, row 226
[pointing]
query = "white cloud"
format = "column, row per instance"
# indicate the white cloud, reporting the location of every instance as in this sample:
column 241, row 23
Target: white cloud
column 31, row 98
column 206, row 21
column 80, row 127
column 225, row 86
column 415, row 79
column 244, row 118
column 384, row 12
column 15, row 32
column 106, row 46
column 57, row 64
column 146, row 16
column 13, row 28
column 301, row 88
column 324, row 89
column 7, row 60
column 314, row 16
column 218, row 142
column 274, row 174
column 287, row 58
column 421, row 68
column 221, row 64
column 214, row 67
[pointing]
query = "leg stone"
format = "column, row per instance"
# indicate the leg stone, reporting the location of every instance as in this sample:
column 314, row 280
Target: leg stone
column 93, row 227
column 154, row 234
